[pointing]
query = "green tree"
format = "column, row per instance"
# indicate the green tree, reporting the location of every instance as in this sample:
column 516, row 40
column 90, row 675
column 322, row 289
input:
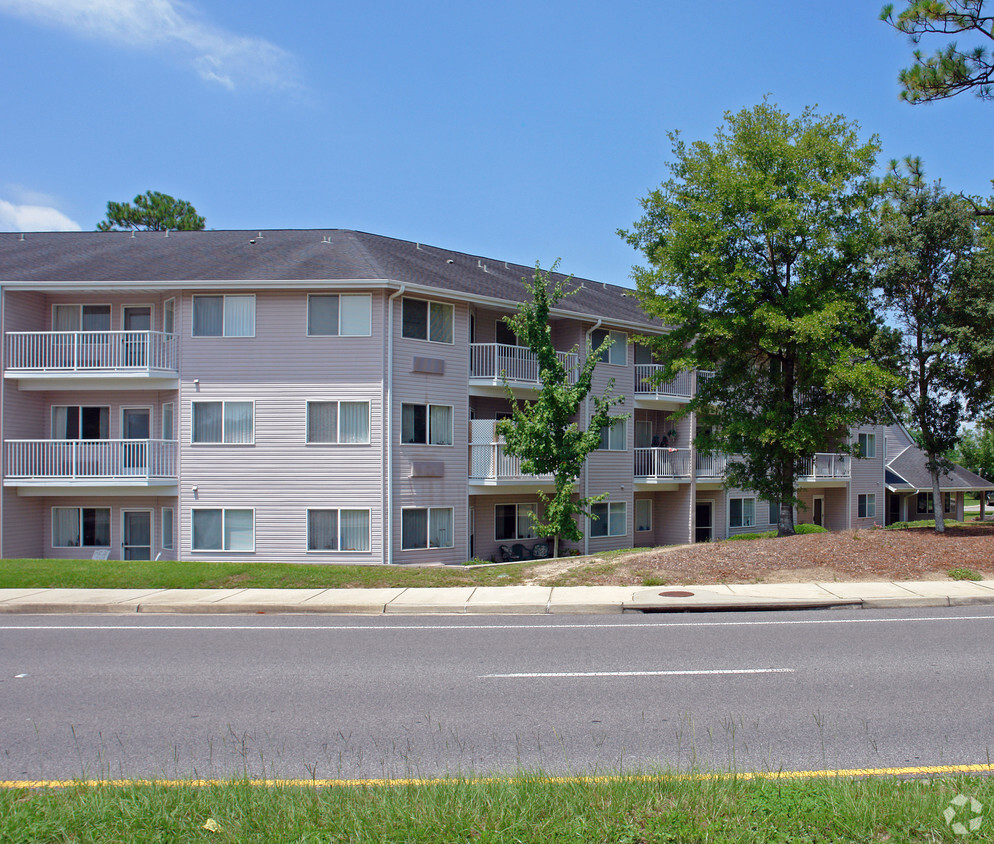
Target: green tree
column 950, row 70
column 545, row 433
column 152, row 211
column 930, row 268
column 757, row 248
column 975, row 450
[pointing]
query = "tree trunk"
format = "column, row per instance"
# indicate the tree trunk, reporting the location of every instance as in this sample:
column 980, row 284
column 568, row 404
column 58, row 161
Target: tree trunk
column 785, row 525
column 555, row 545
column 940, row 524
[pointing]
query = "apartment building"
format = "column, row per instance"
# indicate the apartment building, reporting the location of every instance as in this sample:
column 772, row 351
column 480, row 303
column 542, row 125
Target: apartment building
column 331, row 396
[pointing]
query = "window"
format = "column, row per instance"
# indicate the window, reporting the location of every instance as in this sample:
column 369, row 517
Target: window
column 426, row 527
column 617, row 353
column 223, row 530
column 167, row 527
column 774, row 516
column 339, row 315
column 504, row 335
column 611, row 520
column 80, row 423
column 643, row 514
column 741, row 512
column 947, row 502
column 866, row 505
column 227, row 422
column 613, row 436
column 867, row 445
column 338, row 422
column 429, row 424
column 81, row 527
column 925, row 502
column 338, row 530
column 514, row 521
column 81, row 317
column 167, row 421
column 424, row 320
column 224, row 316
column 169, row 316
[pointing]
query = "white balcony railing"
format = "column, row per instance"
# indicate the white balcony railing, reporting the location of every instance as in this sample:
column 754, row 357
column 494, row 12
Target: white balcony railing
column 489, row 462
column 680, row 387
column 95, row 460
column 711, row 465
column 662, row 463
column 91, row 351
column 825, row 467
column 498, row 361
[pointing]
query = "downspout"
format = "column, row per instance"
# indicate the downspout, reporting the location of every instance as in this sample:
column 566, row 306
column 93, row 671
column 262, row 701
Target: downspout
column 586, row 463
column 388, row 429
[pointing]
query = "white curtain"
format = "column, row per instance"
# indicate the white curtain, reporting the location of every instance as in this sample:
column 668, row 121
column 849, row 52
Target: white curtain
column 208, row 316
column 322, row 315
column 207, row 417
column 65, row 318
column 167, row 420
column 322, row 530
column 355, row 314
column 207, row 530
column 440, row 425
column 355, row 421
column 617, row 522
column 355, row 530
column 167, row 527
column 238, row 421
column 60, row 422
column 322, row 422
column 65, row 527
column 526, row 521
column 440, row 320
column 239, row 316
column 238, row 532
column 414, row 528
column 440, row 528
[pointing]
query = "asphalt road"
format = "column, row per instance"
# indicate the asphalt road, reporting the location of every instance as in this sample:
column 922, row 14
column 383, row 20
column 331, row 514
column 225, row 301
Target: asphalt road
column 292, row 696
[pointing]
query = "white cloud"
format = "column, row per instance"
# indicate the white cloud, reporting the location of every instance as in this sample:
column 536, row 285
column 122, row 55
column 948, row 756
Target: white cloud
column 34, row 218
column 217, row 55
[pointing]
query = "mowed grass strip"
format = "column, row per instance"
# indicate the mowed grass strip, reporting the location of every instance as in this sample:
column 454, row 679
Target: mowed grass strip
column 170, row 574
column 522, row 809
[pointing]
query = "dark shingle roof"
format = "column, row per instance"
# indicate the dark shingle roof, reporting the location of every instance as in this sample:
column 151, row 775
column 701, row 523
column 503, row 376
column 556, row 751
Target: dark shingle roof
column 283, row 255
column 909, row 465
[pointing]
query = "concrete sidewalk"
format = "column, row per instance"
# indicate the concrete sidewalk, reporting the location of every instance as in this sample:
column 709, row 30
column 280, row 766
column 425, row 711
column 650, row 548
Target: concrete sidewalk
column 504, row 600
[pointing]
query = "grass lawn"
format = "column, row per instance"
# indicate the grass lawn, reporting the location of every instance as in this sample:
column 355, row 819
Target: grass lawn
column 520, row 810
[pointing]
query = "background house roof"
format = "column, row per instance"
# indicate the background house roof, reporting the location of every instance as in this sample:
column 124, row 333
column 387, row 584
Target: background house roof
column 910, row 466
column 285, row 255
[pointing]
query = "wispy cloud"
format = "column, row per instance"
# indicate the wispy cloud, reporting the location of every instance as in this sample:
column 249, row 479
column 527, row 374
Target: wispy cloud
column 219, row 56
column 34, row 218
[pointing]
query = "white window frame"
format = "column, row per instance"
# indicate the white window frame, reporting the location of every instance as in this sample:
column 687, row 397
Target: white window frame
column 338, row 433
column 427, row 547
column 169, row 307
column 866, row 505
column 428, row 407
column 929, row 504
column 79, row 515
column 743, row 522
column 225, row 297
column 645, row 502
column 224, row 515
column 534, row 508
column 172, row 528
column 172, row 410
column 367, row 296
column 80, row 306
column 222, row 402
column 151, row 313
column 79, row 409
column 613, row 430
column 608, row 507
column 619, row 348
column 427, row 337
column 339, row 549
column 866, row 445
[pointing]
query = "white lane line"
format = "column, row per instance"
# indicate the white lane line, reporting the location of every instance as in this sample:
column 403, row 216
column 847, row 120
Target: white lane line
column 662, row 625
column 637, row 673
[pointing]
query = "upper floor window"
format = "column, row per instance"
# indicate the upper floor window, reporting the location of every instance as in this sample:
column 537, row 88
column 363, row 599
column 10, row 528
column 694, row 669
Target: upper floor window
column 227, row 422
column 867, row 445
column 613, row 436
column 338, row 422
column 169, row 316
column 81, row 317
column 430, row 424
column 224, row 316
column 339, row 314
column 424, row 320
column 80, row 423
column 741, row 512
column 617, row 353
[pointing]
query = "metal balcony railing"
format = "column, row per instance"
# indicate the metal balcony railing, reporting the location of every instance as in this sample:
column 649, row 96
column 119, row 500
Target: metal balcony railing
column 825, row 466
column 96, row 460
column 497, row 361
column 679, row 387
column 91, row 351
column 489, row 462
column 662, row 462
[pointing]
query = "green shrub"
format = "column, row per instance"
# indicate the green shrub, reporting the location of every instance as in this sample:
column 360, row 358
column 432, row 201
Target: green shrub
column 964, row 574
column 769, row 534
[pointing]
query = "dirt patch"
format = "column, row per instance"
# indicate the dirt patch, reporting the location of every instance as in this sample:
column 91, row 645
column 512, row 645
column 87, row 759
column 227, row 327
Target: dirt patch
column 851, row 555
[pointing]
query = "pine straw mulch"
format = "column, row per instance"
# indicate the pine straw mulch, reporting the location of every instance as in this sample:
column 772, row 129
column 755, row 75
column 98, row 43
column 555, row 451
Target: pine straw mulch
column 851, row 555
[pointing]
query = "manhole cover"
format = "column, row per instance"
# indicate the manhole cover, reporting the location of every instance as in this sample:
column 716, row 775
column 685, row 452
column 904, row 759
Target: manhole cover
column 676, row 594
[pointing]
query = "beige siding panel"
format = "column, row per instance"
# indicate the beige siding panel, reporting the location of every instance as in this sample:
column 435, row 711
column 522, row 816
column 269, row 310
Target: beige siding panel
column 24, row 522
column 867, row 478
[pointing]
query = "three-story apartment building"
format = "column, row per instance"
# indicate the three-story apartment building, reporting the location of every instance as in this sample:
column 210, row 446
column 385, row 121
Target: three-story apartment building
column 332, row 396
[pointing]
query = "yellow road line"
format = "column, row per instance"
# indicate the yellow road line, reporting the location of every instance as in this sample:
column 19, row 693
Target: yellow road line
column 918, row 771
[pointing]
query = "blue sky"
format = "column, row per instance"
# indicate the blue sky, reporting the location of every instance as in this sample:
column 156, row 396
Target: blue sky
column 519, row 131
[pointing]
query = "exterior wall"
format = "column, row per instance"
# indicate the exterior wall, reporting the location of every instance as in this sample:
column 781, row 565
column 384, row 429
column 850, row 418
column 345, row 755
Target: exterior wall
column 719, row 513
column 764, row 518
column 671, row 513
column 24, row 527
column 836, row 507
column 867, row 477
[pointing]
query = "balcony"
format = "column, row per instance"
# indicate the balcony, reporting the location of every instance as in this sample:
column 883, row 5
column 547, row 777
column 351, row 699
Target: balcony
column 491, row 364
column 709, row 466
column 45, row 360
column 826, row 467
column 490, row 465
column 666, row 464
column 108, row 466
column 680, row 387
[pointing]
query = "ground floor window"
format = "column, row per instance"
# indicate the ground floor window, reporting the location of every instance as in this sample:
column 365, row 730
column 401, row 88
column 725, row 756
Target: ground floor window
column 741, row 512
column 223, row 530
column 167, row 528
column 426, row 527
column 86, row 527
column 866, row 505
column 611, row 519
column 338, row 530
column 514, row 521
column 643, row 514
